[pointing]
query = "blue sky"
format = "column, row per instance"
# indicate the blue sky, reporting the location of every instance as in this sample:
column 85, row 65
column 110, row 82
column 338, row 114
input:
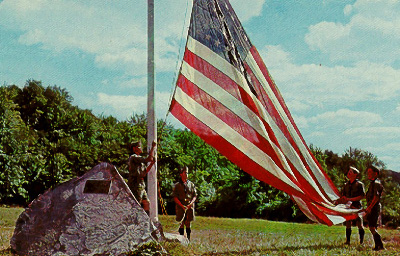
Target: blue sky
column 336, row 62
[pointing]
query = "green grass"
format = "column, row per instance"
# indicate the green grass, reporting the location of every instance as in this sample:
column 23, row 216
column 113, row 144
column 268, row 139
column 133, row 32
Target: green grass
column 8, row 217
column 223, row 236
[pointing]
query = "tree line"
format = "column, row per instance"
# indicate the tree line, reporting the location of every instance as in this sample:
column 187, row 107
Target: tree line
column 45, row 140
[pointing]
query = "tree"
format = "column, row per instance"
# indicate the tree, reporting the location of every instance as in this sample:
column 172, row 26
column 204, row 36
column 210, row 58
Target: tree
column 14, row 141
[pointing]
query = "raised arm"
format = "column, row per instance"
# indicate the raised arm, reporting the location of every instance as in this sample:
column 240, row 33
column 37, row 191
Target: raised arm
column 150, row 158
column 150, row 165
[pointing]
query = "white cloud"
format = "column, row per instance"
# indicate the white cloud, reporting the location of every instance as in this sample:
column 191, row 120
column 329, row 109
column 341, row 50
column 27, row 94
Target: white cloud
column 375, row 22
column 398, row 108
column 301, row 121
column 388, row 153
column 137, row 82
column 321, row 33
column 346, row 118
column 123, row 106
column 276, row 57
column 73, row 25
column 344, row 128
column 395, row 160
column 248, row 10
column 383, row 142
column 298, row 106
column 378, row 133
column 318, row 134
column 115, row 32
column 348, row 9
column 123, row 103
column 132, row 59
column 391, row 147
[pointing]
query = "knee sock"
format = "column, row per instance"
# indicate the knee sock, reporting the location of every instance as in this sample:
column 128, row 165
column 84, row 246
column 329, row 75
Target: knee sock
column 378, row 242
column 181, row 231
column 188, row 231
column 361, row 232
column 348, row 235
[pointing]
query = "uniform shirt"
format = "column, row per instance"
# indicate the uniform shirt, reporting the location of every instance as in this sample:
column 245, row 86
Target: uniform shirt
column 185, row 192
column 354, row 189
column 137, row 171
column 375, row 188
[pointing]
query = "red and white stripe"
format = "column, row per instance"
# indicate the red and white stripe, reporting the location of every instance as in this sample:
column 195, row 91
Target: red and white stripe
column 257, row 133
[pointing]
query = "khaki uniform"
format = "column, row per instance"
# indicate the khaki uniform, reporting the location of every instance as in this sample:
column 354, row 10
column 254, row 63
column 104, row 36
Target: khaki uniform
column 137, row 172
column 353, row 190
column 185, row 194
column 375, row 188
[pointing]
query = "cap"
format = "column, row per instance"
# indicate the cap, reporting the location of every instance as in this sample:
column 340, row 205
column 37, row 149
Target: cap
column 136, row 144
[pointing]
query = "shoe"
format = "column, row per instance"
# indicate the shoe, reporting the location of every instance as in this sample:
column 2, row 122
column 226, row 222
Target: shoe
column 378, row 242
column 378, row 248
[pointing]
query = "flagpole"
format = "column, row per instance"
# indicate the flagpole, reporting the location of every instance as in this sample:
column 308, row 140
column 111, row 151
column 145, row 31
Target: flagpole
column 151, row 120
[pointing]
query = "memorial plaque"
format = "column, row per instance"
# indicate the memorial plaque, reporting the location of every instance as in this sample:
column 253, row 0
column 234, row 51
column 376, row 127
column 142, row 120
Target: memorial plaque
column 97, row 187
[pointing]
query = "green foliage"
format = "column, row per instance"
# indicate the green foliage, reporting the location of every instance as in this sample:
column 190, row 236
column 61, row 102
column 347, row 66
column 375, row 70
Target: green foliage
column 14, row 138
column 44, row 140
column 391, row 202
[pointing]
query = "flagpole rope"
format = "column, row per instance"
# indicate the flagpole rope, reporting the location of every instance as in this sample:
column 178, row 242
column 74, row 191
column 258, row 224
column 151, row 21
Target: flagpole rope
column 164, row 211
column 178, row 60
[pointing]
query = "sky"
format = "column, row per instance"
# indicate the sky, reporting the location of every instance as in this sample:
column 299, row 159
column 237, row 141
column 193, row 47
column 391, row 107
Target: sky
column 335, row 62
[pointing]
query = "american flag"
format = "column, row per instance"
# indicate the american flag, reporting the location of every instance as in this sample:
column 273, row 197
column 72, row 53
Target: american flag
column 226, row 96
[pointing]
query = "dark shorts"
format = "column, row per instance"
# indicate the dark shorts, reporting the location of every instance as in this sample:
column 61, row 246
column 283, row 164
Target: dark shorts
column 372, row 218
column 356, row 205
column 353, row 222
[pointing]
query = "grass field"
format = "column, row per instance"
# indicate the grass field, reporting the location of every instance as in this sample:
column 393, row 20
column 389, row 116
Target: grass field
column 219, row 236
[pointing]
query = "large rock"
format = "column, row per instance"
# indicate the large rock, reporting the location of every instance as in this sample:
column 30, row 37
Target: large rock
column 89, row 215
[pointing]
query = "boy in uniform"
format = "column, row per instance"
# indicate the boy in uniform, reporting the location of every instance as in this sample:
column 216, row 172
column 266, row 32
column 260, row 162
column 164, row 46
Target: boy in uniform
column 138, row 170
column 353, row 191
column 185, row 194
column 373, row 210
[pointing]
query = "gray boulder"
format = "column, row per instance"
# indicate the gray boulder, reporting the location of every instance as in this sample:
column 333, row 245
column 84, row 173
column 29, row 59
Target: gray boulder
column 95, row 214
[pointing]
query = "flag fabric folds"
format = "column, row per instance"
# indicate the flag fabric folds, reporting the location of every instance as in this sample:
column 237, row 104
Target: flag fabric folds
column 225, row 95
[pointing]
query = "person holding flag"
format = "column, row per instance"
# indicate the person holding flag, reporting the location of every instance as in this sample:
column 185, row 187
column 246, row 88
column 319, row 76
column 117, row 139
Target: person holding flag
column 353, row 191
column 373, row 210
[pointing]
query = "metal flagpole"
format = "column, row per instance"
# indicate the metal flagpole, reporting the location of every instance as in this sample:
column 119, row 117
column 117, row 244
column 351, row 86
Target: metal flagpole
column 151, row 119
